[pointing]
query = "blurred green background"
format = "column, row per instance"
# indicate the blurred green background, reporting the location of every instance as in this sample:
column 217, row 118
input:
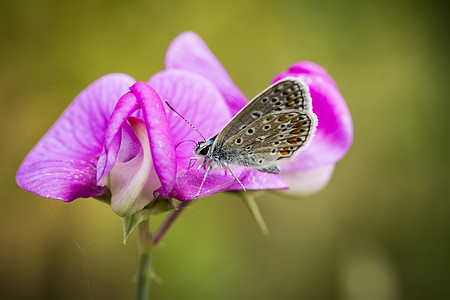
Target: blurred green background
column 380, row 229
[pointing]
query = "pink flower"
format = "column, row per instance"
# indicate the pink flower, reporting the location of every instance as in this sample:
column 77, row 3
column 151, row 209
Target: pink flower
column 117, row 137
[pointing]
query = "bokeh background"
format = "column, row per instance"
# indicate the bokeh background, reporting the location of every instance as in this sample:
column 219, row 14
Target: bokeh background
column 379, row 230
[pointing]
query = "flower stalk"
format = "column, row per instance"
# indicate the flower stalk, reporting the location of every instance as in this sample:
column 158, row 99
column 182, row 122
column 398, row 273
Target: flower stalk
column 146, row 244
column 145, row 270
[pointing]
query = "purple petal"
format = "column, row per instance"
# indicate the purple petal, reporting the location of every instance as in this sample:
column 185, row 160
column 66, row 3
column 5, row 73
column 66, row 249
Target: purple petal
column 188, row 51
column 334, row 133
column 216, row 182
column 308, row 182
column 198, row 101
column 306, row 67
column 256, row 180
column 160, row 137
column 63, row 163
column 126, row 106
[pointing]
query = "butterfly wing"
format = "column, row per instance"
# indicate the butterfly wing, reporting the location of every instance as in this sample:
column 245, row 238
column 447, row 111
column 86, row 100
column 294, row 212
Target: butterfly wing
column 269, row 139
column 273, row 126
column 288, row 94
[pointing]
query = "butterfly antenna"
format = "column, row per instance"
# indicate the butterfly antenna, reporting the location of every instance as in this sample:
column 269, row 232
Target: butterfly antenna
column 185, row 120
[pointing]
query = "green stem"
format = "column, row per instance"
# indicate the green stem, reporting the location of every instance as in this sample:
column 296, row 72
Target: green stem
column 144, row 272
column 146, row 244
column 249, row 200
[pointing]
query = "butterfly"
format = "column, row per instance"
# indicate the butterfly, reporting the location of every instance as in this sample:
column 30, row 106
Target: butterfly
column 271, row 128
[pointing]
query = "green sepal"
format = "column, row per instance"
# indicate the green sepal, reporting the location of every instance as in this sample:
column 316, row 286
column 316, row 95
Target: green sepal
column 160, row 205
column 130, row 223
column 156, row 207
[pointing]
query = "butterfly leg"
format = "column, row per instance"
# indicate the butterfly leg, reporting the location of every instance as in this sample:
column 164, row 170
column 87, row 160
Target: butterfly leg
column 203, row 181
column 198, row 169
column 227, row 168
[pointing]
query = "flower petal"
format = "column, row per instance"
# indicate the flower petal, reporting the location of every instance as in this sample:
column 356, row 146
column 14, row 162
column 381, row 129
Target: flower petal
column 188, row 51
column 63, row 163
column 306, row 67
column 308, row 182
column 130, row 185
column 126, row 106
column 256, row 180
column 160, row 137
column 334, row 133
column 197, row 100
column 216, row 181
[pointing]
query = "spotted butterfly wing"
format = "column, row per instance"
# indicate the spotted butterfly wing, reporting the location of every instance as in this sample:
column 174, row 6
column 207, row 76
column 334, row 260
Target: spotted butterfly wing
column 289, row 93
column 273, row 126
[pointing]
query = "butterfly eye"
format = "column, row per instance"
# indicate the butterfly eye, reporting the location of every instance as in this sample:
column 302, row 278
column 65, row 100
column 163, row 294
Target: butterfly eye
column 204, row 151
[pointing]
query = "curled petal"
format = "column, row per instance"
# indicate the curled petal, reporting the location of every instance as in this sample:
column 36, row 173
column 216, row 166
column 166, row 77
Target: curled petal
column 160, row 137
column 308, row 182
column 126, row 106
column 334, row 133
column 189, row 52
column 63, row 164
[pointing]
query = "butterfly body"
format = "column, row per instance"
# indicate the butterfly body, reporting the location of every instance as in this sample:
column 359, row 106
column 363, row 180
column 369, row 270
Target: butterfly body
column 271, row 127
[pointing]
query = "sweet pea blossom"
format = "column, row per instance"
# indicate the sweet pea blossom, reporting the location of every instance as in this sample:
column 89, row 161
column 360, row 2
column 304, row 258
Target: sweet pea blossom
column 117, row 138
